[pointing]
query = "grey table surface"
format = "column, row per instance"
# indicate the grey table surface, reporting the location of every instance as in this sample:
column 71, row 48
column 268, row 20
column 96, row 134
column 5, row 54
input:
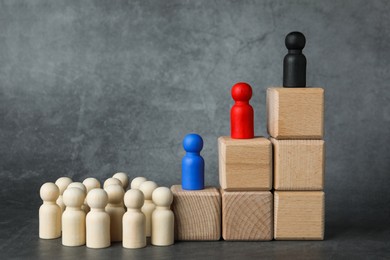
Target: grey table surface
column 348, row 240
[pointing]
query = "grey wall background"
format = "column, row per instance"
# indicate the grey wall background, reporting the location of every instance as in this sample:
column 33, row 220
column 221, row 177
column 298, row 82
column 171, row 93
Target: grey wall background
column 89, row 88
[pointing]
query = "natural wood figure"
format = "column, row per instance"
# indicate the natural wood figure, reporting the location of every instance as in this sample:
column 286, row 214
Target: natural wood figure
column 116, row 210
column 97, row 220
column 111, row 181
column 62, row 183
column 247, row 215
column 197, row 213
column 49, row 212
column 245, row 164
column 147, row 189
column 136, row 182
column 162, row 218
column 134, row 221
column 299, row 215
column 123, row 178
column 82, row 187
column 298, row 164
column 73, row 218
column 295, row 113
column 91, row 183
column 78, row 185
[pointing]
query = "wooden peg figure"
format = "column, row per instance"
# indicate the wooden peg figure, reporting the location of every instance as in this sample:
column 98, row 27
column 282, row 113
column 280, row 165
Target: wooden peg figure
column 62, row 183
column 78, row 185
column 91, row 183
column 162, row 218
column 98, row 220
column 49, row 212
column 147, row 189
column 73, row 218
column 192, row 164
column 294, row 63
column 134, row 221
column 136, row 182
column 241, row 114
column 82, row 187
column 116, row 210
column 111, row 181
column 123, row 178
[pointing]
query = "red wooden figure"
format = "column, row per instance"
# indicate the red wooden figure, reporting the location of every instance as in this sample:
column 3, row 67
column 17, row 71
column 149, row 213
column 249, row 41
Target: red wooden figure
column 241, row 114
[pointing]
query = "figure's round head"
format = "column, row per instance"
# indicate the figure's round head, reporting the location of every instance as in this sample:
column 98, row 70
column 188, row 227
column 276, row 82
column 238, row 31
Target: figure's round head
column 295, row 41
column 193, row 143
column 136, row 182
column 134, row 199
column 123, row 178
column 115, row 193
column 73, row 197
column 78, row 185
column 97, row 198
column 162, row 197
column 241, row 91
column 49, row 192
column 91, row 183
column 147, row 189
column 63, row 183
column 111, row 181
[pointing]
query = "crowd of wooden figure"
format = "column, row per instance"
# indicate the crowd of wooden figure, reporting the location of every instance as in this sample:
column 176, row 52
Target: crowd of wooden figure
column 86, row 214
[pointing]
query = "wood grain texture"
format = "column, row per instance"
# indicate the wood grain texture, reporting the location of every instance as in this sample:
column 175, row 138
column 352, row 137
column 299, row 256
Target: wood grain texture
column 298, row 164
column 299, row 215
column 197, row 213
column 295, row 113
column 247, row 215
column 245, row 164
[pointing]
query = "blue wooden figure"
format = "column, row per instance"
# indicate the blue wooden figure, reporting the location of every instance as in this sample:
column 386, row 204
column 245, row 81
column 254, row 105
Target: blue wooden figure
column 192, row 164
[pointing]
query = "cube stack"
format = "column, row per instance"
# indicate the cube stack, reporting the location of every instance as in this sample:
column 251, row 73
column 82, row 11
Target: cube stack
column 296, row 126
column 245, row 176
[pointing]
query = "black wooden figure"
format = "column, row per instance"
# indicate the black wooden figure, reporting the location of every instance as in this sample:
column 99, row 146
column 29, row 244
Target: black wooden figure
column 294, row 63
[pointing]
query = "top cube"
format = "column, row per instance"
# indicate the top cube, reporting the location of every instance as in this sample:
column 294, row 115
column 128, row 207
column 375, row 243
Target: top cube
column 295, row 113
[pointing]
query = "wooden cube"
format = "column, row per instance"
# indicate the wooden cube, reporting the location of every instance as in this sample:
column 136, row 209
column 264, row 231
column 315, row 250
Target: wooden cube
column 298, row 164
column 197, row 213
column 247, row 215
column 295, row 113
column 245, row 164
column 299, row 215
